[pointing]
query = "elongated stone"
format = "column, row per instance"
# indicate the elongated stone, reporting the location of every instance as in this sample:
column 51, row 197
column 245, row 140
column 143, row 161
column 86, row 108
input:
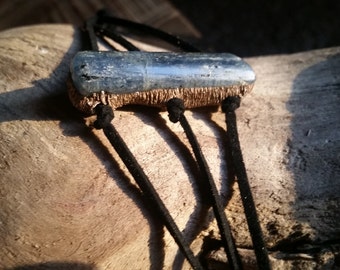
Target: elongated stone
column 151, row 78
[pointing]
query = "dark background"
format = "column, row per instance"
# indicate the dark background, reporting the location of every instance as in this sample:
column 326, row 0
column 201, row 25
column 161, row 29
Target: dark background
column 243, row 27
column 259, row 27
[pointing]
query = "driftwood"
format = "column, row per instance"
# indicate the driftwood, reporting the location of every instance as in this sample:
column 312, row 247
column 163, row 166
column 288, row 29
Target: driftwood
column 68, row 201
column 158, row 13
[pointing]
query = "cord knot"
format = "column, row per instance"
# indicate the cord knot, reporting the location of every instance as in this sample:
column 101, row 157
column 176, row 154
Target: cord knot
column 175, row 107
column 230, row 104
column 104, row 116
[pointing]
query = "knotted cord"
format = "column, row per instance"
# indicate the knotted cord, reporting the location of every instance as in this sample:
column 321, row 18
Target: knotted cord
column 104, row 25
column 229, row 105
column 176, row 109
column 104, row 118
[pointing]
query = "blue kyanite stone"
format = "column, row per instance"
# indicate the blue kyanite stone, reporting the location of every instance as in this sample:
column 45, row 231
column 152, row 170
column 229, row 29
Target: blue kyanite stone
column 129, row 72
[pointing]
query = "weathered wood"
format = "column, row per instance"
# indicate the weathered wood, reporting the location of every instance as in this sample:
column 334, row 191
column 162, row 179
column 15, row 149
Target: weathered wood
column 158, row 13
column 66, row 198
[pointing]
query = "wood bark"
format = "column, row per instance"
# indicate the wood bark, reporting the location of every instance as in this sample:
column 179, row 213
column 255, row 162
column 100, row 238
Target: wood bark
column 67, row 200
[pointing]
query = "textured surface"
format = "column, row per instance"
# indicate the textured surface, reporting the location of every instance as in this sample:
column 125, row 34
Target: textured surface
column 245, row 28
column 66, row 199
column 158, row 13
column 153, row 78
column 130, row 72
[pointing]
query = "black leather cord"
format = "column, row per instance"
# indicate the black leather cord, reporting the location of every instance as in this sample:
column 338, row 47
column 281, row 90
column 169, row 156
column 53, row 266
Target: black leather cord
column 89, row 29
column 104, row 31
column 176, row 109
column 104, row 18
column 104, row 118
column 229, row 105
column 104, row 25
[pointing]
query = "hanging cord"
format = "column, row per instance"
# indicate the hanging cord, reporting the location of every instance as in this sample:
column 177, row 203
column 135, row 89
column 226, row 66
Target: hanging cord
column 91, row 35
column 104, row 30
column 104, row 118
column 92, row 29
column 176, row 109
column 229, row 105
column 104, row 18
column 102, row 25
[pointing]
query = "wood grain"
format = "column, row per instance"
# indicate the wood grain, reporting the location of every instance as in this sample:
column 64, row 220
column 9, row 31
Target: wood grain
column 158, row 13
column 66, row 198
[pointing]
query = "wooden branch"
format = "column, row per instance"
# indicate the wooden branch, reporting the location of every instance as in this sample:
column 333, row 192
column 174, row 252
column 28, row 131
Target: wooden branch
column 67, row 199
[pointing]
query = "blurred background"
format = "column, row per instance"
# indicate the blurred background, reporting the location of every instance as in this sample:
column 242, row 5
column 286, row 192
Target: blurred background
column 246, row 28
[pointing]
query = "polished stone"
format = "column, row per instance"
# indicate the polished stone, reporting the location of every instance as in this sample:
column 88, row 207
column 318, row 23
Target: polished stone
column 129, row 72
